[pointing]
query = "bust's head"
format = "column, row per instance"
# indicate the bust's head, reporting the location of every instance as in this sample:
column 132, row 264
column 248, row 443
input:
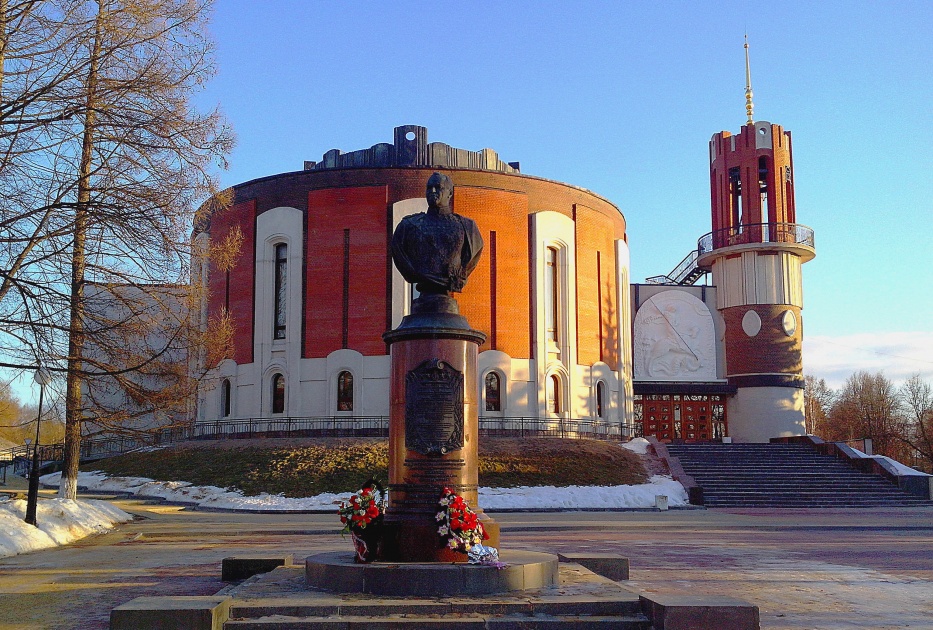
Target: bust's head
column 438, row 192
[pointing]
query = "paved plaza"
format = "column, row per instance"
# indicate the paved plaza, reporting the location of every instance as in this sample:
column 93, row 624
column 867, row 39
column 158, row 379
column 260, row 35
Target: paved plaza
column 805, row 569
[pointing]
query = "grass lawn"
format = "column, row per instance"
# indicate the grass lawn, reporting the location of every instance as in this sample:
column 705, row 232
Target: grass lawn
column 308, row 466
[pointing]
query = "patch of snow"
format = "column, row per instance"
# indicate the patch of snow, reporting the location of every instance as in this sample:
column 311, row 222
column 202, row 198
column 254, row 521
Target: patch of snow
column 584, row 497
column 538, row 497
column 637, row 445
column 60, row 521
column 902, row 469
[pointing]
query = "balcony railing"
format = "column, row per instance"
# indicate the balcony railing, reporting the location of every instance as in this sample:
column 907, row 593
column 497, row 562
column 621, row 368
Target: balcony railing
column 792, row 233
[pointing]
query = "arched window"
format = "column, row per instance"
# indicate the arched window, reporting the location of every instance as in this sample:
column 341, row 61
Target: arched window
column 281, row 290
column 345, row 391
column 552, row 296
column 553, row 394
column 225, row 398
column 600, row 399
column 278, row 393
column 493, row 392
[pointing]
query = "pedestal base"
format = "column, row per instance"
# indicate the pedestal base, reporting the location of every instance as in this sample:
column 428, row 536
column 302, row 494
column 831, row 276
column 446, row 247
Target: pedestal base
column 338, row 573
column 413, row 539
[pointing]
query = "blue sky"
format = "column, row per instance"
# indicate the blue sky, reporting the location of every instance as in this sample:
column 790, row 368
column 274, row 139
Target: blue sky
column 622, row 98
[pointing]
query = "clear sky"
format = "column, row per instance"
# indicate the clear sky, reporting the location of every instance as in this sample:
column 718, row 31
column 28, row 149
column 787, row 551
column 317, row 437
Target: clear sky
column 622, row 98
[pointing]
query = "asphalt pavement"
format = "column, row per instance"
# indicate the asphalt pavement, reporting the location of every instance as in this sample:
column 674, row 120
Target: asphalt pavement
column 805, row 569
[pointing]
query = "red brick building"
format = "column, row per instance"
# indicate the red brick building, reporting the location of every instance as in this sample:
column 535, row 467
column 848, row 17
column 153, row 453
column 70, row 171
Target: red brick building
column 314, row 287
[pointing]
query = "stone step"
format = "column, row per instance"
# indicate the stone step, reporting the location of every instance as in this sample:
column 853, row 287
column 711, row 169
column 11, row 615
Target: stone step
column 825, row 496
column 777, row 475
column 760, row 463
column 414, row 622
column 787, row 475
column 793, row 483
column 788, row 478
column 850, row 496
column 804, row 505
column 620, row 603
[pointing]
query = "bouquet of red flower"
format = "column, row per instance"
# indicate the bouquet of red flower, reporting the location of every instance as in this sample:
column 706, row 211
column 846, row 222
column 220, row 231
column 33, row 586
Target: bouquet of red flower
column 457, row 523
column 362, row 516
column 364, row 508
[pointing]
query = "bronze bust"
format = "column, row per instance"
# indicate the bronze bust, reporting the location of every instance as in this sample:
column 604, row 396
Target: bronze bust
column 438, row 249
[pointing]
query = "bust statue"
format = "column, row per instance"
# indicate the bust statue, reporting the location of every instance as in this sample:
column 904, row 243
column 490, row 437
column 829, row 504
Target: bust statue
column 438, row 249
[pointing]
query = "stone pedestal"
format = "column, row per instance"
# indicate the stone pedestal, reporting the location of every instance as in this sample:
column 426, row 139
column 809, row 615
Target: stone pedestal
column 433, row 428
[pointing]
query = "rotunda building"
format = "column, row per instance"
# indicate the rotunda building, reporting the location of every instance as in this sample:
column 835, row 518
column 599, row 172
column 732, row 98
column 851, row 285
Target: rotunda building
column 313, row 288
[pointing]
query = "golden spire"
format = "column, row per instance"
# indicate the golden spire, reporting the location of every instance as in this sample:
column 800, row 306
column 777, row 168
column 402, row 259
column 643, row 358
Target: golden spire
column 749, row 107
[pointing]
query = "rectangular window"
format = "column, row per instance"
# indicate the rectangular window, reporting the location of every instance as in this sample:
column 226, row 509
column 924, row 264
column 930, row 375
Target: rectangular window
column 281, row 290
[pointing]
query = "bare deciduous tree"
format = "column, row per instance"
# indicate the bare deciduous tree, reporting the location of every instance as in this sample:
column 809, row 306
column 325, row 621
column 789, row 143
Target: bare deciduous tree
column 817, row 401
column 102, row 162
column 917, row 401
column 868, row 406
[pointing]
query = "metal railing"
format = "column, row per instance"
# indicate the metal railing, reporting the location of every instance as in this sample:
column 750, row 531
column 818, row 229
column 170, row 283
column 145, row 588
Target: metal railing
column 320, row 426
column 378, row 426
column 685, row 272
column 584, row 428
column 19, row 458
column 756, row 233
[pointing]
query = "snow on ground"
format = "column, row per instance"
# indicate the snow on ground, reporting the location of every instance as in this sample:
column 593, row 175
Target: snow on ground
column 639, row 446
column 60, row 522
column 538, row 497
column 584, row 497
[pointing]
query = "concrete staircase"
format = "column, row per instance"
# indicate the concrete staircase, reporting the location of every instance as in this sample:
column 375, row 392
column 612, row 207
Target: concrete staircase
column 783, row 475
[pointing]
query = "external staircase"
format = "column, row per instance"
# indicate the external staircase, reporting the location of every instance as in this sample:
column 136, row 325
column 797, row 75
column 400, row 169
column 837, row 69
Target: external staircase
column 783, row 475
column 686, row 273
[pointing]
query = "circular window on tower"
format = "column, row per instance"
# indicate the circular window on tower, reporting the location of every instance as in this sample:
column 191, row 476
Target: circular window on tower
column 789, row 323
column 751, row 323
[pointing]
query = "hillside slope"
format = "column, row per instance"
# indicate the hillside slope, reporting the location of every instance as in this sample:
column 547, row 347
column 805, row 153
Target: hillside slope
column 306, row 467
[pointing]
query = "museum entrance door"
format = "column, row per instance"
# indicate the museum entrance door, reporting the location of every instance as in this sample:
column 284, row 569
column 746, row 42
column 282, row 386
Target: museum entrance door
column 687, row 417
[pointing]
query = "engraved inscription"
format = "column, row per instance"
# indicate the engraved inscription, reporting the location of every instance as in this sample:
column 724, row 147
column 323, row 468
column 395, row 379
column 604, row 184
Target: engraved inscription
column 433, row 471
column 434, row 408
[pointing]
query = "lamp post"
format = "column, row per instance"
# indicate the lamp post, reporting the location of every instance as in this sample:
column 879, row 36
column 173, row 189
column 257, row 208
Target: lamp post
column 42, row 379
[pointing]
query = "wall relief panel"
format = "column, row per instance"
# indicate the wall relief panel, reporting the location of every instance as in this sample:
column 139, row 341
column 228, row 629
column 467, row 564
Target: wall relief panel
column 674, row 339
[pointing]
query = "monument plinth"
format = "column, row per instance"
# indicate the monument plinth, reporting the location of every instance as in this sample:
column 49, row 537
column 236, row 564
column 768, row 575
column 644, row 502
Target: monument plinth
column 433, row 413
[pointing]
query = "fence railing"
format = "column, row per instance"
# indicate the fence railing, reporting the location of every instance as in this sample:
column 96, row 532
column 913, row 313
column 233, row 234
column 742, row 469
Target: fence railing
column 19, row 458
column 321, row 426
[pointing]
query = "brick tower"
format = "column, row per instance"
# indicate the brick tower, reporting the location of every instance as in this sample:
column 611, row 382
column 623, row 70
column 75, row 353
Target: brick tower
column 755, row 253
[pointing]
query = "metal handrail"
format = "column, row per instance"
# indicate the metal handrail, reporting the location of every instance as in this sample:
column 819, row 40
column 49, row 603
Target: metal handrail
column 680, row 272
column 325, row 426
column 794, row 233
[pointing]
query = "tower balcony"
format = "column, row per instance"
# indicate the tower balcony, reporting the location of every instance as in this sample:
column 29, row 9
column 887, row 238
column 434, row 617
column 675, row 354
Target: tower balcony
column 759, row 236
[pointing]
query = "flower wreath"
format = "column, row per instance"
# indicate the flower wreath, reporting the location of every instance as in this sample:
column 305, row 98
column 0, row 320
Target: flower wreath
column 457, row 523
